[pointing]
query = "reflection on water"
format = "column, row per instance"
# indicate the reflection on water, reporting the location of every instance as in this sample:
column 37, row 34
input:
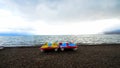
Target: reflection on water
column 36, row 39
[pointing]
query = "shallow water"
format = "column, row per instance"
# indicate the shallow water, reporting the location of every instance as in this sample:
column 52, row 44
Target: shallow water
column 9, row 41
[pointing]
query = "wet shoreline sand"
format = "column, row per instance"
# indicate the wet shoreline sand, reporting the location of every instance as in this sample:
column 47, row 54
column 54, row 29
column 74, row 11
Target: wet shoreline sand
column 87, row 56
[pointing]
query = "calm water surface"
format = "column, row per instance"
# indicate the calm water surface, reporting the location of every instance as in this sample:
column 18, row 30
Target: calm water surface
column 10, row 41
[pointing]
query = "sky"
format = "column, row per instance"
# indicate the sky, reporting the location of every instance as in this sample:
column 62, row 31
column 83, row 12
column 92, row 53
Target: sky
column 59, row 17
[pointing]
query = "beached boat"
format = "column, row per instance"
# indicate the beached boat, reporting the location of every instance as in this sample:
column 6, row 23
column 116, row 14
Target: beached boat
column 49, row 46
column 55, row 46
column 67, row 45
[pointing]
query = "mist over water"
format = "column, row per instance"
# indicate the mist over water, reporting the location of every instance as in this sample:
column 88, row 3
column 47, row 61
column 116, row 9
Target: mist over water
column 11, row 41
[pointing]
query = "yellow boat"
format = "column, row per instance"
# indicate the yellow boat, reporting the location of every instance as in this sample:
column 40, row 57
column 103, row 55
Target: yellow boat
column 49, row 46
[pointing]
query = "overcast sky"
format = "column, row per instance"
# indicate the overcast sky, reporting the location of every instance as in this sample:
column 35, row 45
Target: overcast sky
column 56, row 17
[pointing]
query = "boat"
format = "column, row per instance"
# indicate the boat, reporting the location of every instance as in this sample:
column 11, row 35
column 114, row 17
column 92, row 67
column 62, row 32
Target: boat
column 68, row 45
column 49, row 46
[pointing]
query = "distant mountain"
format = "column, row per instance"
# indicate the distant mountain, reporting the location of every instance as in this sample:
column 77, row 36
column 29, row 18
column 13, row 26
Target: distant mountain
column 13, row 34
column 113, row 32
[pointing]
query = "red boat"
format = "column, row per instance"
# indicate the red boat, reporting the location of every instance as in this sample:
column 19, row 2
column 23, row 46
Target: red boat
column 67, row 45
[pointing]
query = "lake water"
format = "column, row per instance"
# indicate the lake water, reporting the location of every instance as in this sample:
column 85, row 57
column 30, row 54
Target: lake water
column 11, row 41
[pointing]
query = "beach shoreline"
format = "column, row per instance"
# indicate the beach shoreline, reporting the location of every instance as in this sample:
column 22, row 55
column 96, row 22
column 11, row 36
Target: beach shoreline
column 87, row 56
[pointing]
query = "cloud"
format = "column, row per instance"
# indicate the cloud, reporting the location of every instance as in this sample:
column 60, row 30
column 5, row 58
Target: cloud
column 77, row 10
column 67, row 10
column 68, row 16
column 12, row 23
column 88, row 27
